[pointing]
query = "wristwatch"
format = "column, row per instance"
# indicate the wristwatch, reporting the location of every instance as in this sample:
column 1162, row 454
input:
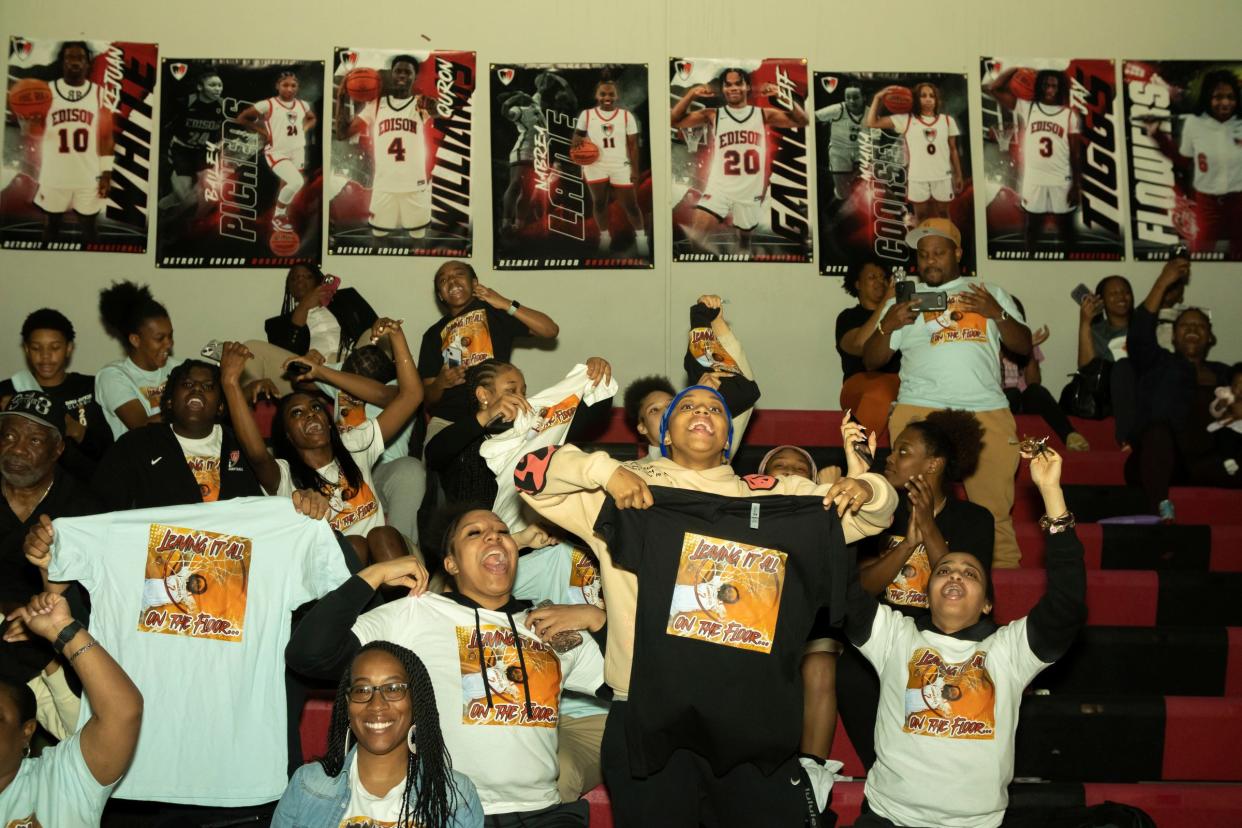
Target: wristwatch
column 514, row 307
column 66, row 635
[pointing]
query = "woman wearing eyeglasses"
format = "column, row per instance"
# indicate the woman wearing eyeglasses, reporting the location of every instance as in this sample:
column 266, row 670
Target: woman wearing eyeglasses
column 397, row 771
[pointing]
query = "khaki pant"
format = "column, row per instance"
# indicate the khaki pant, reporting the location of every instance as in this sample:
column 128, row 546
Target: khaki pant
column 578, row 755
column 991, row 486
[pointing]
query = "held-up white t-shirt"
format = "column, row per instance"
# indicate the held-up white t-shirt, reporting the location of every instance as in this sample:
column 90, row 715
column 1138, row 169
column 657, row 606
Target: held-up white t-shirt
column 365, row 809
column 510, row 756
column 353, row 512
column 119, row 382
column 203, row 458
column 209, row 659
column 546, row 424
column 55, row 789
column 951, row 358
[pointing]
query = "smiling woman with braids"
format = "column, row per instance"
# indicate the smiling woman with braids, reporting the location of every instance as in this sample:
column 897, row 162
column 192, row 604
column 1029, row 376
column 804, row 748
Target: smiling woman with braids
column 398, row 771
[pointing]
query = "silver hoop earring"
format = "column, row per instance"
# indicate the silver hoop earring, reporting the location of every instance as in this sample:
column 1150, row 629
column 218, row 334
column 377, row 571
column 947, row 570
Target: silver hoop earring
column 411, row 740
column 26, row 751
column 347, row 735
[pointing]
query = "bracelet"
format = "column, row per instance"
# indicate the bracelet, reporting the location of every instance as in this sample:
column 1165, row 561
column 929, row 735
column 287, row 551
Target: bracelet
column 105, row 163
column 879, row 329
column 1054, row 526
column 514, row 307
column 84, row 649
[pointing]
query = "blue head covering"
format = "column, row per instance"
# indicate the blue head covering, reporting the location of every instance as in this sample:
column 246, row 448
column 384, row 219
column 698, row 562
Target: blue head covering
column 668, row 412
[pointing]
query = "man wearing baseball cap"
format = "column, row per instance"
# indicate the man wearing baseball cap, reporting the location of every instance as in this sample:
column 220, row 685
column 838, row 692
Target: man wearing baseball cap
column 32, row 437
column 951, row 359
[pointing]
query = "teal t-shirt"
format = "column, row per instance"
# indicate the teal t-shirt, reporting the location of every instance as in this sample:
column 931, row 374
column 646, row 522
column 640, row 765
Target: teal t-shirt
column 119, row 382
column 951, row 359
column 563, row 575
column 57, row 789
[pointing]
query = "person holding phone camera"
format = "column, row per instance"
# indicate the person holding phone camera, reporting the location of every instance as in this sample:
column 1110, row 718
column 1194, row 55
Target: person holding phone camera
column 869, row 394
column 951, row 359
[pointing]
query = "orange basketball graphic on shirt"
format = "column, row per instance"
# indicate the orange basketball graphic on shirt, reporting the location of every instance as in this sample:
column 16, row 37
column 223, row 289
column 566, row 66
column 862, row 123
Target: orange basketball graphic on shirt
column 350, row 505
column 467, row 340
column 351, row 412
column 956, row 324
column 708, row 352
column 727, row 593
column 195, row 583
column 951, row 700
column 501, row 687
column 909, row 588
column 152, row 394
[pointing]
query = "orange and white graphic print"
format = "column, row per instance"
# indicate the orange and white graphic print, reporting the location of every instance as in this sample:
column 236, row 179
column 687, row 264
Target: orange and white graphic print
column 950, row 700
column 206, row 471
column 909, row 588
column 709, row 353
column 368, row 822
column 350, row 505
column 152, row 394
column 584, row 585
column 551, row 416
column 31, row 821
column 727, row 593
column 955, row 323
column 195, row 583
column 491, row 663
column 467, row 340
column 350, row 412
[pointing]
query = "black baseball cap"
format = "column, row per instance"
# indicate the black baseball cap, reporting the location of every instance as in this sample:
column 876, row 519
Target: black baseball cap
column 37, row 407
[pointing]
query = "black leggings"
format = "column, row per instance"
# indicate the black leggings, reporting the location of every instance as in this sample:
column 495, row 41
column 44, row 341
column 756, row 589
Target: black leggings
column 1038, row 400
column 685, row 792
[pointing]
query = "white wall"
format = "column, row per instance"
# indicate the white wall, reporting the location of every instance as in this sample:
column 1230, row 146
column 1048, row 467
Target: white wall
column 784, row 313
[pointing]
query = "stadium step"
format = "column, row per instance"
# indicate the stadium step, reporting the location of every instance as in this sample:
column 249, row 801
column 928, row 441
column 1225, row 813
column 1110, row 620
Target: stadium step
column 1170, row 805
column 1178, row 661
column 1131, row 598
column 1153, row 546
column 1113, row 738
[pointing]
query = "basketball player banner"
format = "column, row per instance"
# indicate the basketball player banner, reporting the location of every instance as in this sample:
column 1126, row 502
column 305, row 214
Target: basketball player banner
column 401, row 136
column 740, row 189
column 240, row 163
column 893, row 148
column 77, row 145
column 1185, row 150
column 571, row 166
column 1051, row 147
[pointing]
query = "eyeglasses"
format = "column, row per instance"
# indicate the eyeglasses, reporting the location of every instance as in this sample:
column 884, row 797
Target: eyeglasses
column 395, row 692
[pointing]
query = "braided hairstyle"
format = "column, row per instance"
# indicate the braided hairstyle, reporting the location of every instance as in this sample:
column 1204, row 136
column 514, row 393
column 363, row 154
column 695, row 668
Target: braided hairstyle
column 370, row 361
column 302, row 475
column 124, row 306
column 179, row 373
column 484, row 375
column 956, row 436
column 287, row 304
column 430, row 770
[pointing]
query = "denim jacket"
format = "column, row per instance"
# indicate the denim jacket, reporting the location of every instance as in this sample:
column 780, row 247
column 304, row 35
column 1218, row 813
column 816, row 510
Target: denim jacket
column 316, row 800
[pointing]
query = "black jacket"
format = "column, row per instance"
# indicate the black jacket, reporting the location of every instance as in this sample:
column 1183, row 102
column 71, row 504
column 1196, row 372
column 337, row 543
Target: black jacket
column 146, row 468
column 351, row 311
column 1166, row 381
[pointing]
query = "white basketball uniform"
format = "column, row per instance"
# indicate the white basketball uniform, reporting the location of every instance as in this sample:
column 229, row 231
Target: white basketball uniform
column 739, row 163
column 608, row 131
column 1046, row 170
column 929, row 168
column 1216, row 150
column 843, row 130
column 400, row 191
column 525, row 118
column 69, row 160
column 284, row 126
